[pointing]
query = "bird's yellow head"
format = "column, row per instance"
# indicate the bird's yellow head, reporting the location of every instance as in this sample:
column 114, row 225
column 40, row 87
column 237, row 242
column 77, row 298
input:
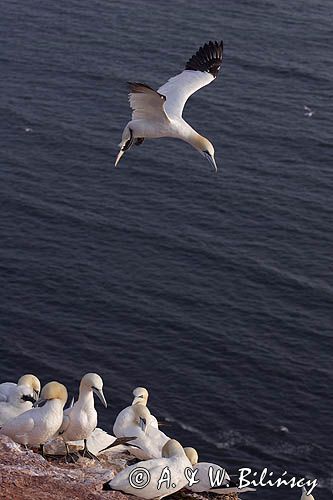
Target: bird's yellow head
column 54, row 390
column 192, row 455
column 171, row 448
column 140, row 396
column 93, row 382
column 30, row 381
column 206, row 148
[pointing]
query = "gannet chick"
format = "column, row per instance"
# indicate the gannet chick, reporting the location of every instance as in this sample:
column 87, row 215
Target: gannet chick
column 36, row 426
column 80, row 420
column 173, row 457
column 305, row 496
column 149, row 440
column 29, row 380
column 159, row 113
column 20, row 400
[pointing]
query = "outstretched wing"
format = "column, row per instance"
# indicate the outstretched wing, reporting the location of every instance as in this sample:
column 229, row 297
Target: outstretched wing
column 146, row 103
column 199, row 71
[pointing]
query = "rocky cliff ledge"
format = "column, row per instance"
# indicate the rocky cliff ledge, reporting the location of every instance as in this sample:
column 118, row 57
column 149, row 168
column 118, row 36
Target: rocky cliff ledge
column 25, row 475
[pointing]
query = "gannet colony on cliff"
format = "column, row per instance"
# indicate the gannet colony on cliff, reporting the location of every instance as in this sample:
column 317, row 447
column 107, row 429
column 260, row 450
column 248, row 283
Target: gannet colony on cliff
column 162, row 466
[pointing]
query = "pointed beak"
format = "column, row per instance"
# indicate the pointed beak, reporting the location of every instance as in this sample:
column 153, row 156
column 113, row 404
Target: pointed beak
column 119, row 155
column 211, row 160
column 100, row 395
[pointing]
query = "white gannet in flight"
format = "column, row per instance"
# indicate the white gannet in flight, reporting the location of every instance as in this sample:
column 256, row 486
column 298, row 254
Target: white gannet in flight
column 305, row 496
column 9, row 388
column 19, row 400
column 80, row 420
column 159, row 113
column 173, row 457
column 126, row 416
column 149, row 440
column 36, row 426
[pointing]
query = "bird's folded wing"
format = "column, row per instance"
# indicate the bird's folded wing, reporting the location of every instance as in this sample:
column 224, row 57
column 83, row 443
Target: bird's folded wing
column 146, row 103
column 200, row 70
column 65, row 423
column 3, row 398
column 21, row 427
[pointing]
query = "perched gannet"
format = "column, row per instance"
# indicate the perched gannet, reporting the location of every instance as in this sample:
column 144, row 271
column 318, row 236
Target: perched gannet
column 159, row 113
column 36, row 426
column 203, row 473
column 210, row 477
column 149, row 440
column 305, row 496
column 173, row 458
column 19, row 400
column 126, row 416
column 8, row 388
column 80, row 420
column 96, row 443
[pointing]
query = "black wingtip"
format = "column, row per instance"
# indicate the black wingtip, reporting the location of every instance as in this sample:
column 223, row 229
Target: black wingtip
column 208, row 58
column 106, row 486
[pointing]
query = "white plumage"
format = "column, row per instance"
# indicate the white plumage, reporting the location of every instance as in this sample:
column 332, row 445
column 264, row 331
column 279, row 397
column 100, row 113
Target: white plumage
column 8, row 389
column 179, row 88
column 149, row 440
column 36, row 426
column 173, row 457
column 80, row 420
column 159, row 113
column 19, row 400
column 126, row 417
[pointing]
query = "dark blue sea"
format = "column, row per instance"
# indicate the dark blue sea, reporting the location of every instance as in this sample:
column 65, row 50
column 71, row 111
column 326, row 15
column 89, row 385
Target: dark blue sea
column 215, row 291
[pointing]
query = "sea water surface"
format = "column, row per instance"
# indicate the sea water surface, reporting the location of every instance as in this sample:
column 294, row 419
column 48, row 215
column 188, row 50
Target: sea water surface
column 213, row 291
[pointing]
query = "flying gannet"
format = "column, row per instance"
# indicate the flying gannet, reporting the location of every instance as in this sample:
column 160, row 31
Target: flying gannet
column 80, row 420
column 173, row 461
column 159, row 113
column 9, row 388
column 36, row 426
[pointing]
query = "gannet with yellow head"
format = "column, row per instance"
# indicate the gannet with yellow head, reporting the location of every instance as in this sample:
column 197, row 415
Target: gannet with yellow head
column 36, row 426
column 159, row 113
